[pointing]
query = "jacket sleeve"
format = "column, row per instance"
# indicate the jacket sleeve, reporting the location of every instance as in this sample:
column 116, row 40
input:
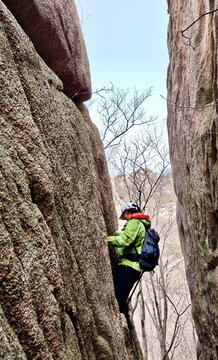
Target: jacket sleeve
column 127, row 237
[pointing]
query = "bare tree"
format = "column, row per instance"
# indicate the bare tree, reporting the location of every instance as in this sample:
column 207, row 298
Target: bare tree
column 120, row 110
column 142, row 161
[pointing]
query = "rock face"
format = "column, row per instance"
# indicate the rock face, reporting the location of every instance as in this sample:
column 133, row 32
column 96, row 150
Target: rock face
column 54, row 28
column 192, row 127
column 56, row 291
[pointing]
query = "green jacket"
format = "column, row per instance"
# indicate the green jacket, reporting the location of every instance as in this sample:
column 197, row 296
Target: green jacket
column 132, row 237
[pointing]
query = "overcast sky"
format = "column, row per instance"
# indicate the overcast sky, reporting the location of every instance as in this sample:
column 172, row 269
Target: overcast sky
column 127, row 44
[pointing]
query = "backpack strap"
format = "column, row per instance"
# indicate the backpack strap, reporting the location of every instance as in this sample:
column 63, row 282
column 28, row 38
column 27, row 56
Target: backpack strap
column 146, row 229
column 136, row 256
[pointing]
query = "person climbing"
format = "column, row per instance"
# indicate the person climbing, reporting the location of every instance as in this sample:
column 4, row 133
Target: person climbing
column 129, row 243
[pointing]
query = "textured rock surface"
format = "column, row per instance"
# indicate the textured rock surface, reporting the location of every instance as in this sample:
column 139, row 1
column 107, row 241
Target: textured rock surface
column 192, row 82
column 54, row 28
column 56, row 290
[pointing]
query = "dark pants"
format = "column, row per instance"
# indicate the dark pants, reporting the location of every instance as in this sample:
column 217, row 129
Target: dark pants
column 124, row 279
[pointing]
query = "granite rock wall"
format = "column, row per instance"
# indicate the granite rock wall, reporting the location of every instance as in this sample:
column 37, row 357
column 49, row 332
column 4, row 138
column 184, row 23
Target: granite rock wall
column 54, row 29
column 192, row 127
column 56, row 291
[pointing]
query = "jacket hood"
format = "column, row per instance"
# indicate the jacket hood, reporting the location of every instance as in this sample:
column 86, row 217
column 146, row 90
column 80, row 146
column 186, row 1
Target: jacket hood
column 139, row 216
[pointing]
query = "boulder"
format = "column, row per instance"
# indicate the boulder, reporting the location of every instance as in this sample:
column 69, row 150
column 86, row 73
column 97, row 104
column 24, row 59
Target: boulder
column 54, row 28
column 56, row 288
column 192, row 127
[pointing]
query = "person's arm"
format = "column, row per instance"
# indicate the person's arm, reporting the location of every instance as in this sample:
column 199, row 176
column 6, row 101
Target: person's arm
column 117, row 233
column 127, row 237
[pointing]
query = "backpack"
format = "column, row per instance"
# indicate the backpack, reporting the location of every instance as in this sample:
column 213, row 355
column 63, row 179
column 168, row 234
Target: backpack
column 149, row 257
column 150, row 251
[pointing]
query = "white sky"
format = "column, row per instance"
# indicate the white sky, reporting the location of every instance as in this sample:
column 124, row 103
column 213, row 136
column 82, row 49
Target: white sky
column 126, row 43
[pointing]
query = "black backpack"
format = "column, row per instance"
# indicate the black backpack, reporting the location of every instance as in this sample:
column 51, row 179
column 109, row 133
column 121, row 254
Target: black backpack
column 149, row 257
column 150, row 251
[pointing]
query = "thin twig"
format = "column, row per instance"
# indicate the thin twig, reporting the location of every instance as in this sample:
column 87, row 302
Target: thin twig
column 209, row 12
column 87, row 92
column 188, row 38
column 188, row 107
column 82, row 18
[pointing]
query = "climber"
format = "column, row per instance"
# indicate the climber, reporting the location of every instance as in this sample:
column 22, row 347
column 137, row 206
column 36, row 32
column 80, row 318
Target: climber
column 129, row 241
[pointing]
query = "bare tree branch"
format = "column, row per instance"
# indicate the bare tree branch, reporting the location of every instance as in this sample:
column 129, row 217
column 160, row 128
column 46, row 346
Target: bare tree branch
column 207, row 13
column 142, row 163
column 119, row 112
column 188, row 38
column 83, row 15
column 188, row 107
column 176, row 325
